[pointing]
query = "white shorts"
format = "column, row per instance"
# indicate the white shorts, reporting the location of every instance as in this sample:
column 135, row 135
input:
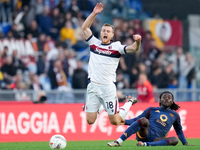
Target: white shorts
column 101, row 94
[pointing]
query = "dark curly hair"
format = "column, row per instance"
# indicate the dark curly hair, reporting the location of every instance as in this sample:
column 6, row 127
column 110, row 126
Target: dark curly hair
column 174, row 106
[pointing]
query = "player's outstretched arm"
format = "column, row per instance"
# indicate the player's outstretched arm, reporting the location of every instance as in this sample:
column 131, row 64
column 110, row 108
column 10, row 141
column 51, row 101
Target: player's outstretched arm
column 88, row 22
column 136, row 45
column 178, row 128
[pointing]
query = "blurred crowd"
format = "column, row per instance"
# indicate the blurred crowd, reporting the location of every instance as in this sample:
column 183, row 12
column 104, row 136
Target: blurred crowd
column 62, row 57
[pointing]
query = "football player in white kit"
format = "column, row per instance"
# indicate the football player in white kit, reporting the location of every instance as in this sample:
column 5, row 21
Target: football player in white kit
column 104, row 59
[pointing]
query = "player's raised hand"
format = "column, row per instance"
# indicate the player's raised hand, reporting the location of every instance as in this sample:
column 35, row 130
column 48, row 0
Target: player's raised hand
column 137, row 37
column 98, row 8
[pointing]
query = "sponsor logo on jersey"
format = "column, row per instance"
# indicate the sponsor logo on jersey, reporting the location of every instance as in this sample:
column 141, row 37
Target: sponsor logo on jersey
column 103, row 51
column 157, row 111
column 162, row 120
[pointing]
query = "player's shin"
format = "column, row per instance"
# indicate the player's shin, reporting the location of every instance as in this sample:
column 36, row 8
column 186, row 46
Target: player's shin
column 133, row 128
column 158, row 143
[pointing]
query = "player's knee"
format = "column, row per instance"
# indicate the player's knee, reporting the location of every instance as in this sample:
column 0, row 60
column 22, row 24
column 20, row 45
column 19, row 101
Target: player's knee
column 115, row 119
column 90, row 121
column 114, row 122
column 173, row 140
column 143, row 122
column 91, row 117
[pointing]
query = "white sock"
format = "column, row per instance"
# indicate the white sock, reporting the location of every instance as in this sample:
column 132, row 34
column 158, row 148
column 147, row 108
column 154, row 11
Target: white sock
column 124, row 109
column 120, row 141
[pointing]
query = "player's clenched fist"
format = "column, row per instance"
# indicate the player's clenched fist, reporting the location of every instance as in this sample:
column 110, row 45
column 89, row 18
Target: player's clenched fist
column 137, row 37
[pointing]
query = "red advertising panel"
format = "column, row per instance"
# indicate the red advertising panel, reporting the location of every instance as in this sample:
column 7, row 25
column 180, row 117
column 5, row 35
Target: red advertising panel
column 38, row 122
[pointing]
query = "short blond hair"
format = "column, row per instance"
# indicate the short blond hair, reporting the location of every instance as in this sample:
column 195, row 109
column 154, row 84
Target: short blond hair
column 109, row 25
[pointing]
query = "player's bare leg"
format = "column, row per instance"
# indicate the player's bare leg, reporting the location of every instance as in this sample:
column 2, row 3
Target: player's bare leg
column 91, row 117
column 117, row 118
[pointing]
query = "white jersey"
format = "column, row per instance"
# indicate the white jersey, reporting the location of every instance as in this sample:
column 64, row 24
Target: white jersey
column 104, row 60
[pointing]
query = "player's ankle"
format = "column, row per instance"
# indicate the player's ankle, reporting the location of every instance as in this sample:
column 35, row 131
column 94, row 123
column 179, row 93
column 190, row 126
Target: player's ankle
column 120, row 141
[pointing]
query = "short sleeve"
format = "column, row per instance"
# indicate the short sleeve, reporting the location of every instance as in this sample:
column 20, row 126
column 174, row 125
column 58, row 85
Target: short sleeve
column 92, row 39
column 121, row 48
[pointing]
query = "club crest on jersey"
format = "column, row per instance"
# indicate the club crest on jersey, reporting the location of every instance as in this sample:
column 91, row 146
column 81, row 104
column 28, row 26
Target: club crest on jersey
column 109, row 47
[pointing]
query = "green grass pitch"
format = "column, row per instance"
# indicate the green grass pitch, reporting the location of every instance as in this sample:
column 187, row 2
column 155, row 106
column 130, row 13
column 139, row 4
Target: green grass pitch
column 96, row 145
